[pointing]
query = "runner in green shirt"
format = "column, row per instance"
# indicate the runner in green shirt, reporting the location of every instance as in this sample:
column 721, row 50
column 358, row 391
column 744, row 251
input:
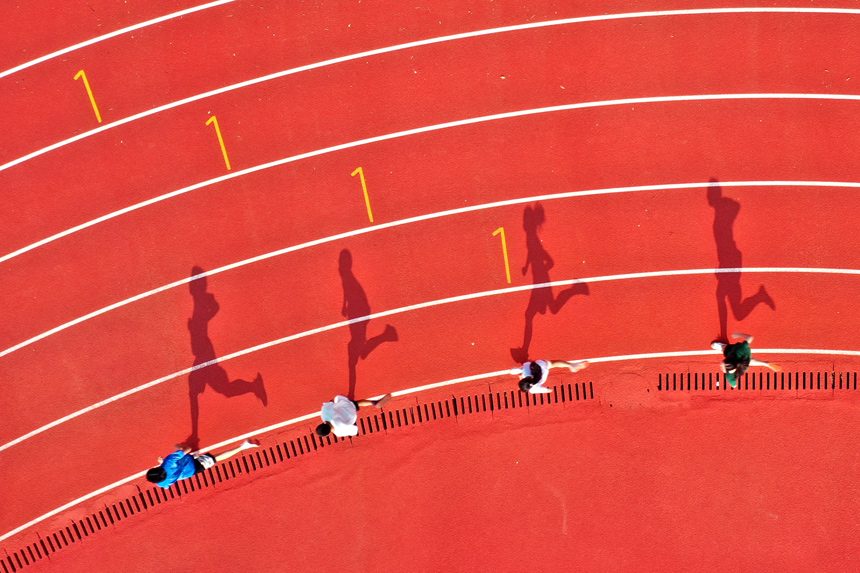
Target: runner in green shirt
column 738, row 357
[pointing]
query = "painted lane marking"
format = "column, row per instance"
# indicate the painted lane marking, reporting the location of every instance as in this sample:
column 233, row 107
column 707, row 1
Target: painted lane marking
column 501, row 231
column 83, row 75
column 416, row 219
column 214, row 120
column 420, row 130
column 427, row 42
column 475, row 377
column 419, row 306
column 360, row 172
column 113, row 35
column 760, row 10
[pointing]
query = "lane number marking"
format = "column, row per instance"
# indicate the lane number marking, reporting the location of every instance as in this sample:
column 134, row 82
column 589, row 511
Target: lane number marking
column 214, row 120
column 360, row 172
column 501, row 230
column 83, row 76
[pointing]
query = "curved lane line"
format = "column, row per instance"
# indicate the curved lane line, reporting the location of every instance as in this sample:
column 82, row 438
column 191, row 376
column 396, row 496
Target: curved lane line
column 427, row 129
column 496, row 374
column 419, row 306
column 400, row 47
column 437, row 40
column 416, row 219
column 120, row 32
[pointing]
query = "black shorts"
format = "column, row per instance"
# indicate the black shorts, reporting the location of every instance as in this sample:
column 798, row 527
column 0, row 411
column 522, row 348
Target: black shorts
column 355, row 404
column 203, row 462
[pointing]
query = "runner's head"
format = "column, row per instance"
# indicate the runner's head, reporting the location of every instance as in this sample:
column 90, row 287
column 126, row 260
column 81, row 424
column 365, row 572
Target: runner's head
column 733, row 371
column 156, row 474
column 324, row 429
column 526, row 383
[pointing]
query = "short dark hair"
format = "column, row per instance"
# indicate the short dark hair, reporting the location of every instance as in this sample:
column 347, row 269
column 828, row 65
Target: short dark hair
column 738, row 368
column 324, row 429
column 156, row 475
column 526, row 383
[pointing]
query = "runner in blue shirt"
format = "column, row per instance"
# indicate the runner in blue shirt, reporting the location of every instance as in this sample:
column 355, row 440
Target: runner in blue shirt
column 182, row 464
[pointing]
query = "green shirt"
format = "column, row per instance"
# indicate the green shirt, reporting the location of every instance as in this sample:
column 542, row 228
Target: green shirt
column 736, row 354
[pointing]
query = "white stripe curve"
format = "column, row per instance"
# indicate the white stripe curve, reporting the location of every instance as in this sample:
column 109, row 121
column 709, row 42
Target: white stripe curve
column 487, row 375
column 419, row 43
column 419, row 306
column 419, row 218
column 107, row 36
column 420, row 130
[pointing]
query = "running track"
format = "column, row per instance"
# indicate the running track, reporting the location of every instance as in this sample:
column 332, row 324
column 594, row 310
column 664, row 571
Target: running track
column 615, row 126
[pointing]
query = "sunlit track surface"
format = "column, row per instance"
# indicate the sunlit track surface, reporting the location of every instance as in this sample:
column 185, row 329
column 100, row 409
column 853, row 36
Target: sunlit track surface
column 283, row 133
column 395, row 200
column 410, row 45
column 451, row 300
column 457, row 381
column 102, row 38
column 365, row 230
column 416, row 131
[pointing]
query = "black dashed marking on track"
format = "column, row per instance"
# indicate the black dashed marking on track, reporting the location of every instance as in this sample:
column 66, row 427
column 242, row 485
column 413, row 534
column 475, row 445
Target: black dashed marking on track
column 830, row 381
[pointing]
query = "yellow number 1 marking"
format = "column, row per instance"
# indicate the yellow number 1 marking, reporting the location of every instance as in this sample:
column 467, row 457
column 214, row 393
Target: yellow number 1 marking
column 504, row 251
column 214, row 120
column 82, row 75
column 364, row 188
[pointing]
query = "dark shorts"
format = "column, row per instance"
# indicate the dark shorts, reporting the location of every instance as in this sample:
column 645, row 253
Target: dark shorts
column 355, row 404
column 203, row 462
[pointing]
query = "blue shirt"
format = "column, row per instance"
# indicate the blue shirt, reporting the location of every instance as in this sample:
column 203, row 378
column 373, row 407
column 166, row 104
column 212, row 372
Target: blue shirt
column 178, row 465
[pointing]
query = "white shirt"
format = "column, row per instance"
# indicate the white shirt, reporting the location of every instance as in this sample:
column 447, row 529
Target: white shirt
column 341, row 414
column 525, row 371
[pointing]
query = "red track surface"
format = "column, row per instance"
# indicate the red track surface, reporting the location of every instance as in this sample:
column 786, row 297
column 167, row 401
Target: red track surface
column 582, row 490
column 708, row 453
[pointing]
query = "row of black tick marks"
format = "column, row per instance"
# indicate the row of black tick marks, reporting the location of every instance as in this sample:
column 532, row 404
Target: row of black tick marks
column 793, row 381
column 265, row 457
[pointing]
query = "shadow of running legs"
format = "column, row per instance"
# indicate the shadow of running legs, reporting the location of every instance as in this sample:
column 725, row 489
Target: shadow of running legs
column 211, row 375
column 729, row 257
column 541, row 263
column 355, row 306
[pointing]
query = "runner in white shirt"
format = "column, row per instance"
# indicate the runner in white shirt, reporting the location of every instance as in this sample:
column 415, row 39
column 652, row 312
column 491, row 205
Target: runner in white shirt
column 533, row 375
column 340, row 415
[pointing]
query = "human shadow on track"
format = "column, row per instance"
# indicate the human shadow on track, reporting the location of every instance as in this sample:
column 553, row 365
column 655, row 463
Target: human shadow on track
column 541, row 263
column 729, row 257
column 355, row 306
column 205, row 308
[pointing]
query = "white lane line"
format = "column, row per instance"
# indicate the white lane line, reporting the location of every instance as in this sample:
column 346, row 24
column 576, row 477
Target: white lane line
column 120, row 32
column 419, row 306
column 409, row 45
column 416, row 219
column 71, row 504
column 496, row 374
column 427, row 129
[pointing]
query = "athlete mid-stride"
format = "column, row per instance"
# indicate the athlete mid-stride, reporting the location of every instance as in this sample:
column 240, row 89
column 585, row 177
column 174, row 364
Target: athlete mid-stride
column 738, row 358
column 183, row 464
column 533, row 375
